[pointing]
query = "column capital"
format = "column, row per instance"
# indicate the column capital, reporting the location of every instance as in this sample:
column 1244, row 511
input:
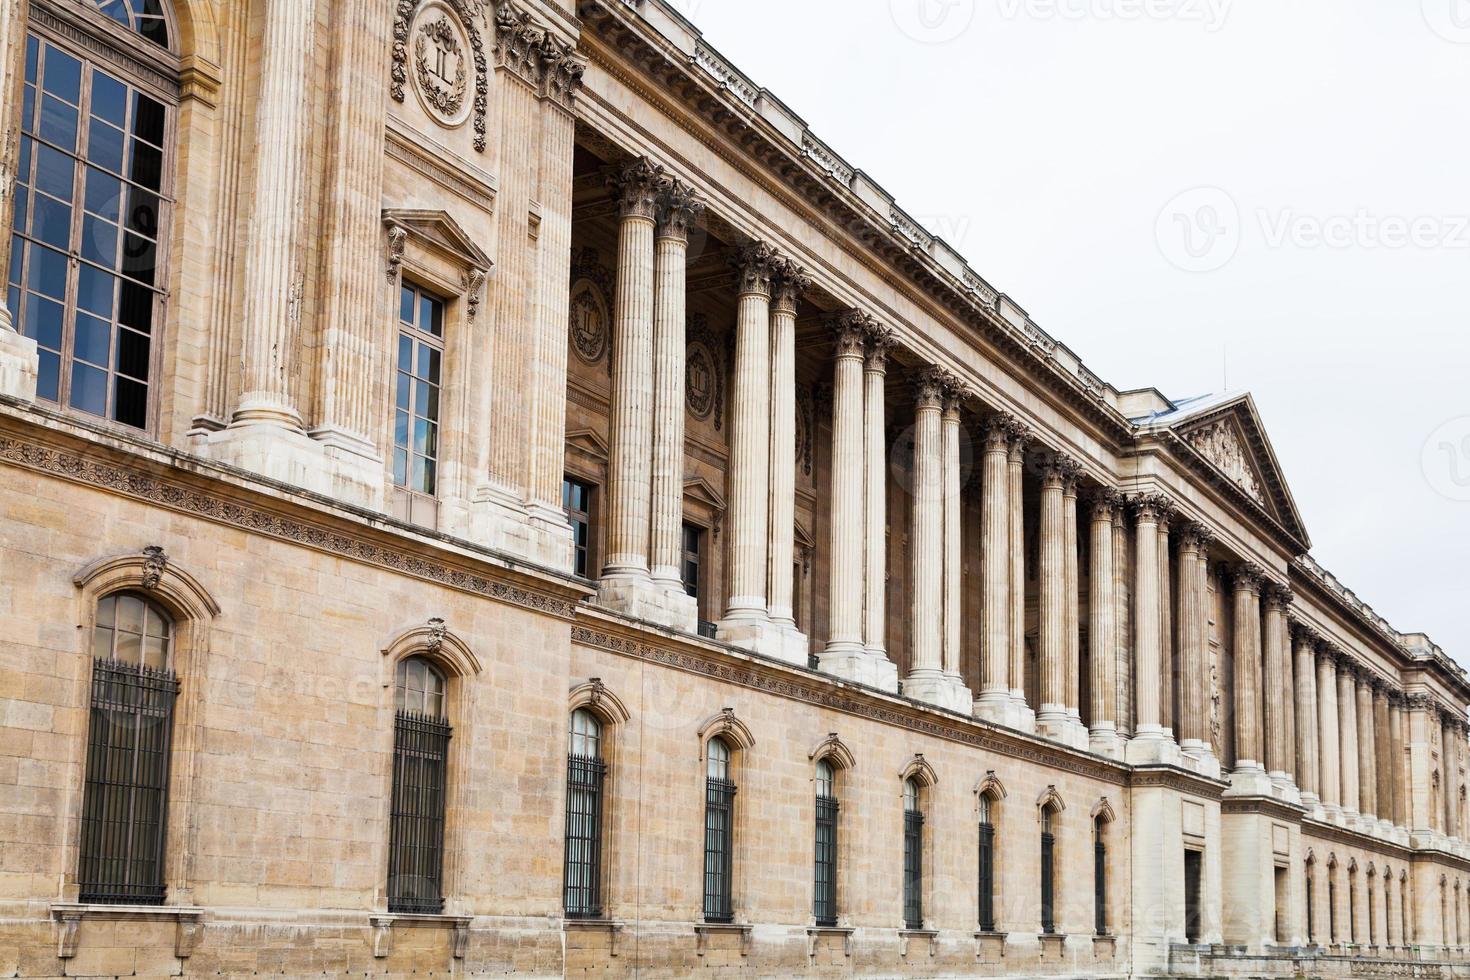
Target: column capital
column 850, row 329
column 1150, row 508
column 1103, row 502
column 955, row 393
column 755, row 266
column 1277, row 595
column 638, row 186
column 1059, row 470
column 1303, row 633
column 880, row 339
column 1418, row 701
column 1194, row 536
column 679, row 207
column 931, row 385
column 996, row 432
column 1020, row 435
column 789, row 280
column 1247, row 576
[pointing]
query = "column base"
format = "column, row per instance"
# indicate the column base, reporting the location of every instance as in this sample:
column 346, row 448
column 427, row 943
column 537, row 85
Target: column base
column 774, row 640
column 19, row 364
column 498, row 519
column 995, row 707
column 1249, row 779
column 860, row 667
column 1103, row 740
column 1152, row 746
column 938, row 689
column 1059, row 726
column 1025, row 715
column 288, row 455
column 1200, row 757
column 639, row 597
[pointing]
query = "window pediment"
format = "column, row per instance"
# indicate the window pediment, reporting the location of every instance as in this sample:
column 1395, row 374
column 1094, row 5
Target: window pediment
column 436, row 231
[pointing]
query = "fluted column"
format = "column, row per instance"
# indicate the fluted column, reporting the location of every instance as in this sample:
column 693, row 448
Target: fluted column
column 1382, row 755
column 875, row 498
column 1397, row 764
column 1449, row 766
column 750, row 441
column 1073, row 604
column 925, row 679
column 1194, row 714
column 1148, row 510
column 1308, row 770
column 1288, row 696
column 995, row 570
column 678, row 210
column 1101, row 631
column 1016, row 525
column 1122, row 620
column 1247, row 583
column 631, row 426
column 1367, row 750
column 1052, row 712
column 1167, row 669
column 1328, row 744
column 1202, row 681
column 1275, row 702
column 789, row 283
column 954, row 394
column 1347, row 708
column 845, row 622
column 275, row 273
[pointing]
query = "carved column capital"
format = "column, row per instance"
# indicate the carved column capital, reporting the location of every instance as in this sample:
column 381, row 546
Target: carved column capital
column 851, row 329
column 638, row 186
column 955, row 393
column 880, row 340
column 1104, row 502
column 1194, row 536
column 930, row 387
column 1059, row 470
column 1247, row 577
column 679, row 207
column 998, row 431
column 1150, row 508
column 1277, row 595
column 755, row 266
column 788, row 281
column 1020, row 436
column 561, row 72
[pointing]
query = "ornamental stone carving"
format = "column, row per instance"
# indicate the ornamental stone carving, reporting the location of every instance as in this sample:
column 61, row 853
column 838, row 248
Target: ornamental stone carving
column 789, row 281
column 1219, row 443
column 755, row 265
column 439, row 39
column 155, row 563
column 704, row 371
column 638, row 187
column 679, row 207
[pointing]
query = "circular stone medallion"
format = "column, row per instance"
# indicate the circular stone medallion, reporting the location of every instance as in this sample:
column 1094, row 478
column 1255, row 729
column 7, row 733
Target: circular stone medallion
column 441, row 63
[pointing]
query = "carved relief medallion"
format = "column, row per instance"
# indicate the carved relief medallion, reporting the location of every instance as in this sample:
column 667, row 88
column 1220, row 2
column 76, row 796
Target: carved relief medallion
column 589, row 321
column 699, row 381
column 441, row 63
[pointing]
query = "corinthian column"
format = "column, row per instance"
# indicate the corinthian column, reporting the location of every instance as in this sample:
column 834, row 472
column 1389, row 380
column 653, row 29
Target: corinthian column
column 845, row 630
column 1449, row 769
column 1148, row 509
column 1347, row 709
column 1275, row 702
column 1308, row 768
column 631, row 427
column 1051, row 716
column 954, row 393
column 1396, row 758
column 750, row 444
column 875, row 501
column 1328, row 744
column 1194, row 716
column 1123, row 621
column 1367, row 750
column 1101, row 632
column 925, row 679
column 1248, row 755
column 1016, row 525
column 1383, row 755
column 678, row 211
column 790, row 282
column 1167, row 670
column 995, row 536
column 1073, row 603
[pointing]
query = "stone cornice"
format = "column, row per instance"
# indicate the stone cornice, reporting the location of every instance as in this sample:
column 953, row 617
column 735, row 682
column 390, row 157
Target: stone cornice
column 1179, row 780
column 1318, row 830
column 70, row 449
column 1264, row 805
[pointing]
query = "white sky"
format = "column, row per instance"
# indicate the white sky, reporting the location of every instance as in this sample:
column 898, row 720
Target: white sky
column 1045, row 139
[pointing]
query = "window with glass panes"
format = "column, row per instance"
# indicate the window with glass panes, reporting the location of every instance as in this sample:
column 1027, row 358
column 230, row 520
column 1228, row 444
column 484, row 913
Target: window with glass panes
column 582, row 863
column 913, row 856
column 416, row 412
column 86, row 279
column 689, row 564
column 576, row 500
column 1048, row 870
column 719, row 833
column 986, row 871
column 1099, row 877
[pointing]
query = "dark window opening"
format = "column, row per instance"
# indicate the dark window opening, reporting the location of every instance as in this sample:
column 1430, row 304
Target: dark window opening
column 576, row 499
column 420, row 769
column 586, row 773
column 986, row 871
column 1193, row 862
column 824, row 873
column 913, row 857
column 719, row 833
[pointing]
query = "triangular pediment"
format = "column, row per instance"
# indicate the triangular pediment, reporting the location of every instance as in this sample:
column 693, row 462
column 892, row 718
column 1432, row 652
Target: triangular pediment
column 439, row 230
column 701, row 491
column 588, row 441
column 1228, row 434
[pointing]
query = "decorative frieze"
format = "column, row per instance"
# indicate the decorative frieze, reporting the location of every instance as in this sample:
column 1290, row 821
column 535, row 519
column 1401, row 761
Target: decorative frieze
column 1219, row 443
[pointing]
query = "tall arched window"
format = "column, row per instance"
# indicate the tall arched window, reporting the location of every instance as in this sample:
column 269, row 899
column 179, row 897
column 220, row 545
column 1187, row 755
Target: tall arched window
column 1352, row 903
column 586, row 772
column 1371, row 896
column 719, row 832
column 1332, row 935
column 93, row 188
column 1311, row 887
column 129, row 744
column 420, row 776
column 986, row 871
column 824, row 869
column 1099, row 876
column 1048, row 869
column 913, row 854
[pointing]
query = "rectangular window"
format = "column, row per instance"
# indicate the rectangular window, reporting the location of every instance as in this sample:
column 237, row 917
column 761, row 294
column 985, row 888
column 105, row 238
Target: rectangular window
column 1099, row 882
column 913, row 869
column 416, row 833
column 1281, row 905
column 125, row 802
column 417, row 380
column 576, row 500
column 1193, row 861
column 583, row 885
column 987, row 877
column 719, row 813
column 824, row 879
column 1048, row 917
column 689, row 572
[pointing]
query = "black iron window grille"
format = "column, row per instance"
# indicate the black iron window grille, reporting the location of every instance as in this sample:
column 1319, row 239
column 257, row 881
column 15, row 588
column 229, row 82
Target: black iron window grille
column 719, row 834
column 1048, row 854
column 913, row 858
column 586, row 773
column 1099, row 880
column 824, row 873
column 416, row 837
column 125, row 800
column 986, row 872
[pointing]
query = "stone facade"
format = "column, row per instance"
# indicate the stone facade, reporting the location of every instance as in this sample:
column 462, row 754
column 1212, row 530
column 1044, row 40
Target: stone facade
column 551, row 352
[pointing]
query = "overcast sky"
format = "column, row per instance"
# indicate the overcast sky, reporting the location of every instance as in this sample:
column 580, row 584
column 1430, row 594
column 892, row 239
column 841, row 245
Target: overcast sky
column 1168, row 186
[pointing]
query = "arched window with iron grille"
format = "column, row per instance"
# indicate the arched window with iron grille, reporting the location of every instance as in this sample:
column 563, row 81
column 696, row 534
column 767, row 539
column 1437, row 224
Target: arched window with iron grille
column 719, row 832
column 421, row 735
column 913, row 854
column 586, row 774
column 824, row 869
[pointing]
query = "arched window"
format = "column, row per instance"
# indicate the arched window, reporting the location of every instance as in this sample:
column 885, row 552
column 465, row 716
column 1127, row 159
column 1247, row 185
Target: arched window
column 92, row 195
column 1388, row 907
column 1352, row 903
column 1311, row 888
column 420, row 775
column 824, row 871
column 1372, row 912
column 986, row 871
column 1048, row 868
column 129, row 744
column 913, row 854
column 586, row 772
column 719, row 832
column 1331, row 902
column 1099, row 876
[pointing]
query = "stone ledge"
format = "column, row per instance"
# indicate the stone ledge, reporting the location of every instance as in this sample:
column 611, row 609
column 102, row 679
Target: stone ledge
column 905, row 936
column 1051, row 944
column 188, row 922
column 990, row 946
column 610, row 926
column 703, row 930
column 814, row 935
column 383, row 924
